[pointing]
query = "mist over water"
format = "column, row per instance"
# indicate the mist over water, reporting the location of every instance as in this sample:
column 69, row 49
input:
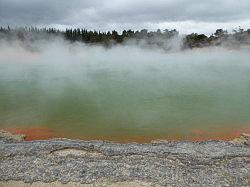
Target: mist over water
column 93, row 92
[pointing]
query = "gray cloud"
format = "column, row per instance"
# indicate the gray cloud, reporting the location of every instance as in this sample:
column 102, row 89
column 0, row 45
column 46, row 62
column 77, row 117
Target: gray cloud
column 96, row 14
column 181, row 10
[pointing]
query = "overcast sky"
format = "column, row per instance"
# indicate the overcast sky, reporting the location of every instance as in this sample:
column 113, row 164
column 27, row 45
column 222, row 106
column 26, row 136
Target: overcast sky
column 185, row 15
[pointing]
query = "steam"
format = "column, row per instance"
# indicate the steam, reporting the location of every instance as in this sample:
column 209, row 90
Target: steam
column 126, row 87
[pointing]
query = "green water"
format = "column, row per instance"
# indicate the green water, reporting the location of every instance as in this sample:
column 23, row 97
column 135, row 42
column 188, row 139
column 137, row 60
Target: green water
column 123, row 95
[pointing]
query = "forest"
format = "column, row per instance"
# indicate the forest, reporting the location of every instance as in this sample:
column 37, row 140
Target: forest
column 164, row 39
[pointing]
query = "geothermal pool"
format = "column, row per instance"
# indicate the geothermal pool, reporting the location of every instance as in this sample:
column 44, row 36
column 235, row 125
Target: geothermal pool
column 125, row 94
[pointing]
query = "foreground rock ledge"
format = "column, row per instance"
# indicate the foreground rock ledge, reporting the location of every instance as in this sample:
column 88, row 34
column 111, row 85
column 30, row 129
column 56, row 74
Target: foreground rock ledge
column 97, row 163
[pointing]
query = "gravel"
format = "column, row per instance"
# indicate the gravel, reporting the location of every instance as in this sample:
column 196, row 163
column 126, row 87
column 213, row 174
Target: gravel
column 160, row 163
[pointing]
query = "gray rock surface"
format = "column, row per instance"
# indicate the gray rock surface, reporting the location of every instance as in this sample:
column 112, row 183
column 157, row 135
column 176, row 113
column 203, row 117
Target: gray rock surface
column 11, row 137
column 160, row 163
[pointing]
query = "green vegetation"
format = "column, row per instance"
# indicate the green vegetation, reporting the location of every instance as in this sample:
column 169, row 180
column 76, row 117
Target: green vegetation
column 166, row 39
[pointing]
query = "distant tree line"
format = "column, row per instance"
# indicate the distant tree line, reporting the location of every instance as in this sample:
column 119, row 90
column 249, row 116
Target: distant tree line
column 166, row 39
column 220, row 37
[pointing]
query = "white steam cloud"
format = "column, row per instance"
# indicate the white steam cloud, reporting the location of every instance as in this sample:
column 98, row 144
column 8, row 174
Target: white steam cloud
column 91, row 88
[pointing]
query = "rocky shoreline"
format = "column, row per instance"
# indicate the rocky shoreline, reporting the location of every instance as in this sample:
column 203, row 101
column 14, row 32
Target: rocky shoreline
column 63, row 162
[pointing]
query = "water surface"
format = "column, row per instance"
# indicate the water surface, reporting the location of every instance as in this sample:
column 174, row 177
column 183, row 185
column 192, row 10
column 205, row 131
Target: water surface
column 127, row 95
